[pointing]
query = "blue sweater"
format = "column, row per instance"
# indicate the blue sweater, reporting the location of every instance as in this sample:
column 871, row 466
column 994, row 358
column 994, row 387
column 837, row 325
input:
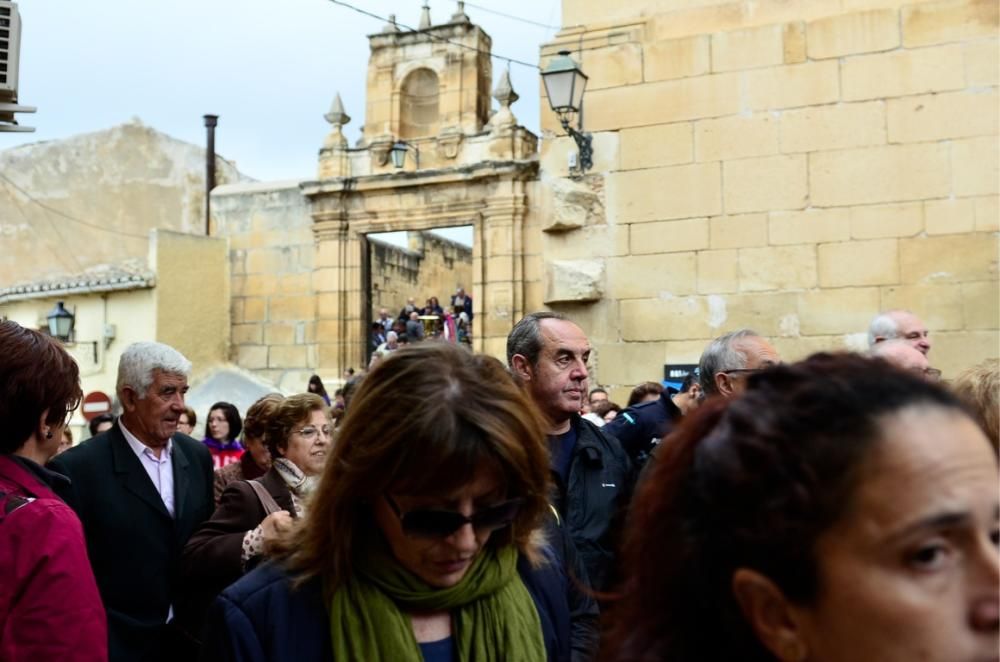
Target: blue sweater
column 260, row 618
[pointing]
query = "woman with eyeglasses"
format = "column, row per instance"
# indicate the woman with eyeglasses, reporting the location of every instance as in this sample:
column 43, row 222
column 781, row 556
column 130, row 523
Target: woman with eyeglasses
column 251, row 514
column 422, row 540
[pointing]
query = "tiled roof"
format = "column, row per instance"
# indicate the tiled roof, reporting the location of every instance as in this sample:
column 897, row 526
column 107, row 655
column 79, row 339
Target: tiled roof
column 105, row 278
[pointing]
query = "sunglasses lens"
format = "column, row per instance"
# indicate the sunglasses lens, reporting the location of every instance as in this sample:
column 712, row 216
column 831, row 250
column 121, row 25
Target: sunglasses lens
column 442, row 523
column 431, row 523
column 498, row 516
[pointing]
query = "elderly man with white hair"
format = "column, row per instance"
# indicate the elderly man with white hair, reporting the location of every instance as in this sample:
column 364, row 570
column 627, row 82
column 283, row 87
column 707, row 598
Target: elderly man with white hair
column 899, row 325
column 141, row 489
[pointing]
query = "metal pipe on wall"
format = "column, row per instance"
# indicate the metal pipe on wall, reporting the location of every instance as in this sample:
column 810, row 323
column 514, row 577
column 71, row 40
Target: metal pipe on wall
column 211, row 121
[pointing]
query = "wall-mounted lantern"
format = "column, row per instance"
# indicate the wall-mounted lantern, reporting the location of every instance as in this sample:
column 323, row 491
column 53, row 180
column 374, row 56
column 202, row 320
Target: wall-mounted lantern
column 564, row 86
column 398, row 154
column 61, row 324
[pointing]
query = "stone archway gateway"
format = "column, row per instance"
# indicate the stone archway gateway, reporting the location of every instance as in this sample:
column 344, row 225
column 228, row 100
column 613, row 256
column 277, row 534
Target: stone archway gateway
column 492, row 197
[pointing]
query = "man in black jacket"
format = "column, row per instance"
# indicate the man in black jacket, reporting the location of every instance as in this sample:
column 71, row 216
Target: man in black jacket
column 548, row 354
column 140, row 490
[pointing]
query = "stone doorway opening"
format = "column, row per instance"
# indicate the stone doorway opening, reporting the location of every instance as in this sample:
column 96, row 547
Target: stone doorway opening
column 419, row 271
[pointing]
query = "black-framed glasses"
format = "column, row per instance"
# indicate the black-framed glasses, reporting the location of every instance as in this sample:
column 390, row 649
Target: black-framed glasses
column 429, row 523
column 744, row 371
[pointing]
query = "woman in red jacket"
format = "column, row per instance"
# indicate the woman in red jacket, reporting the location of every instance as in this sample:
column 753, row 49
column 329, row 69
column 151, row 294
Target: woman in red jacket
column 50, row 608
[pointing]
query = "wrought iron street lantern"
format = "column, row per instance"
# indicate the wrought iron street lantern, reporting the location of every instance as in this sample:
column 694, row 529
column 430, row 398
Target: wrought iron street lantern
column 565, row 84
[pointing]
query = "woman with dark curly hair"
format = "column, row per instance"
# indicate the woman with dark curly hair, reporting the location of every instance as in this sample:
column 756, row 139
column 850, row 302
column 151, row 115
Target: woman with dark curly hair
column 50, row 608
column 840, row 510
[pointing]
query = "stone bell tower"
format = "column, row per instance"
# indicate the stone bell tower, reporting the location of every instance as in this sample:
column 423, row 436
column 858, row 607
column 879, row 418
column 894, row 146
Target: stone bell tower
column 428, row 94
column 429, row 87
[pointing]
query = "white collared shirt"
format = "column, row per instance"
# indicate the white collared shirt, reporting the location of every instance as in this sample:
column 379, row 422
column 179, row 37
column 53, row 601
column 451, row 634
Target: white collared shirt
column 160, row 469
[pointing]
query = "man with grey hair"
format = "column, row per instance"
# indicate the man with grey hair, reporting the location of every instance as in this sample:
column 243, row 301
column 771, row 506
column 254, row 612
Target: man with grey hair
column 141, row 489
column 547, row 354
column 730, row 359
column 899, row 325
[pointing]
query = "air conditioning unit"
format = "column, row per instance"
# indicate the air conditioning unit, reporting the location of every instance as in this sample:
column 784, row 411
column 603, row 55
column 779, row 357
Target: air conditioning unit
column 10, row 47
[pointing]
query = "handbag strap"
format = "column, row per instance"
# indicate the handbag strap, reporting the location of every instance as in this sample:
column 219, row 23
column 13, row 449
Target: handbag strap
column 266, row 500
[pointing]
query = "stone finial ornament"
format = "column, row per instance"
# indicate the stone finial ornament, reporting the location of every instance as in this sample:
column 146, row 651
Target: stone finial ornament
column 460, row 16
column 505, row 95
column 338, row 118
column 391, row 25
column 425, row 17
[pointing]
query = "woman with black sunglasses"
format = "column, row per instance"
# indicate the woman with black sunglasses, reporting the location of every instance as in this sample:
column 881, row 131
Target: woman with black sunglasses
column 423, row 538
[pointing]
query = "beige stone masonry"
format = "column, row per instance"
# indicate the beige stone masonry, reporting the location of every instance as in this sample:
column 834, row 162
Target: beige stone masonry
column 657, row 146
column 948, row 258
column 950, row 216
column 878, row 221
column 795, row 42
column 674, row 317
column 879, row 174
column 948, row 20
column 777, row 268
column 252, row 357
column 684, row 191
column 738, row 231
column 772, row 314
column 735, row 137
column 930, row 117
column 573, row 281
column 837, row 126
column 813, row 226
column 903, row 72
column 982, row 63
column 612, row 66
column 792, row 86
column 748, row 49
column 850, row 34
column 955, row 351
column 628, row 363
column 981, row 304
column 718, row 271
column 975, row 166
column 669, row 236
column 840, row 310
column 859, row 263
column 669, row 101
column 772, row 182
column 988, row 214
column 676, row 58
column 940, row 305
column 648, row 276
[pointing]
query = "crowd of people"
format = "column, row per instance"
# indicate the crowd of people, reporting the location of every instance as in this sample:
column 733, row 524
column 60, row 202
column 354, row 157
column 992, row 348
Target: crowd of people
column 446, row 505
column 415, row 323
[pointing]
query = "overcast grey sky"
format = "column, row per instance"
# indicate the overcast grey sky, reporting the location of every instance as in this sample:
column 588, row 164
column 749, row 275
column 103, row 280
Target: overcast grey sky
column 268, row 69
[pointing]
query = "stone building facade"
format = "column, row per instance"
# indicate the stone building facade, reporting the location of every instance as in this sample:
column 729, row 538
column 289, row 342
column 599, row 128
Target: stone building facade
column 300, row 257
column 790, row 166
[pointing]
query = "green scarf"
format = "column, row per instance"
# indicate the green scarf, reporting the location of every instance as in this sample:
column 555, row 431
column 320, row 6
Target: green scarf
column 493, row 615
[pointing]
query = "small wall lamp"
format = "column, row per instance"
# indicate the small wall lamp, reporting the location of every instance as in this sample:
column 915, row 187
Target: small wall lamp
column 564, row 86
column 61, row 323
column 398, row 153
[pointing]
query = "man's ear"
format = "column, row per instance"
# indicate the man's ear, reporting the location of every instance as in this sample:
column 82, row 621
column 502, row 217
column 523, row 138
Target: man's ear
column 769, row 614
column 129, row 397
column 724, row 384
column 521, row 367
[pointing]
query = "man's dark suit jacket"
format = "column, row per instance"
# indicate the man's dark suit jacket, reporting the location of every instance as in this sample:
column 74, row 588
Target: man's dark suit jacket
column 133, row 543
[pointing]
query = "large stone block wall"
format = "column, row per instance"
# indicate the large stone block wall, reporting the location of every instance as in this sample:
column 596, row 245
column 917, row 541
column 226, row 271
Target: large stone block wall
column 272, row 255
column 790, row 166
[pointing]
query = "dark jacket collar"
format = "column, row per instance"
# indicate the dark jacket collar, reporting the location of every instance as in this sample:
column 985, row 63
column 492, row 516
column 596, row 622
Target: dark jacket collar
column 49, row 478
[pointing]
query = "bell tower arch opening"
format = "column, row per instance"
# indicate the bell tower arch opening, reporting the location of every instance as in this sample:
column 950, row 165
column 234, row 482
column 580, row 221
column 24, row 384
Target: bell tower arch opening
column 419, row 104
